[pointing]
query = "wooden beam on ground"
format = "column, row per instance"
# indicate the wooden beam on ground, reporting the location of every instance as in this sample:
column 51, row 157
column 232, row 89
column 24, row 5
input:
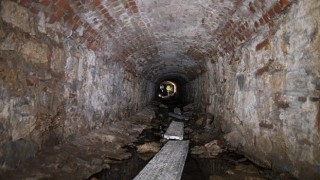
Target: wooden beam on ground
column 175, row 131
column 167, row 164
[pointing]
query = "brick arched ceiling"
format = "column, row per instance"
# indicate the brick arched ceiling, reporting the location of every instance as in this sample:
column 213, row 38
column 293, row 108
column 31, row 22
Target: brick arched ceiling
column 159, row 37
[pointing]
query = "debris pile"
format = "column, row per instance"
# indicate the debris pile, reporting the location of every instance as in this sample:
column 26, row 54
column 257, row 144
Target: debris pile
column 209, row 150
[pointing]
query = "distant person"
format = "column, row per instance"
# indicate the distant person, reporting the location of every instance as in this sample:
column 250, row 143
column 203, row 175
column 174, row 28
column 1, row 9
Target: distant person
column 169, row 89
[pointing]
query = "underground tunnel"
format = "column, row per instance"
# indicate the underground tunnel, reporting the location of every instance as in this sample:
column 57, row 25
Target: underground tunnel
column 80, row 83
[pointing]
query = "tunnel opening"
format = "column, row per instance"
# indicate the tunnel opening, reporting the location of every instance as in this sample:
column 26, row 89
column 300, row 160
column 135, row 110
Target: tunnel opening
column 168, row 91
column 180, row 85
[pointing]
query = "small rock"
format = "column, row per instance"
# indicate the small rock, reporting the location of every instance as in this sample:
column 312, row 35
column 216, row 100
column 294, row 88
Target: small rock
column 163, row 106
column 81, row 162
column 189, row 107
column 199, row 122
column 177, row 111
column 146, row 156
column 235, row 139
column 96, row 161
column 188, row 130
column 149, row 147
column 212, row 143
column 197, row 150
column 208, row 151
column 229, row 172
column 163, row 140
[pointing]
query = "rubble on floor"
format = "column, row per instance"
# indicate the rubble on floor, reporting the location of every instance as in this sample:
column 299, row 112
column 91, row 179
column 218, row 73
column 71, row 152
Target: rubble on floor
column 209, row 150
column 152, row 147
column 85, row 155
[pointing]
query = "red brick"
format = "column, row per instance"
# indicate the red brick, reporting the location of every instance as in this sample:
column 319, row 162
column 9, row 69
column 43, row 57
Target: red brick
column 241, row 38
column 256, row 24
column 46, row 14
column 93, row 46
column 228, row 34
column 67, row 18
column 75, row 26
column 86, row 34
column 72, row 95
column 242, row 27
column 2, row 69
column 247, row 34
column 45, row 2
column 251, row 8
column 126, row 6
column 104, row 11
column 284, row 3
column 263, row 44
column 62, row 4
column 76, row 18
column 271, row 14
column 100, row 7
column 132, row 3
column 262, row 22
column 25, row 3
column 53, row 19
column 59, row 14
column 135, row 9
column 277, row 8
column 266, row 18
column 32, row 82
column 34, row 10
column 96, row 2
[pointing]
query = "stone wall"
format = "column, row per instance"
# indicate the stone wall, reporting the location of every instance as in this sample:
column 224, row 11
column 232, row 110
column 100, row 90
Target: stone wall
column 53, row 86
column 266, row 93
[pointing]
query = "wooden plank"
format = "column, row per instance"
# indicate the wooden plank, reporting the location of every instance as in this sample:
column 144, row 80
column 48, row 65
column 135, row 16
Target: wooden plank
column 167, row 164
column 175, row 131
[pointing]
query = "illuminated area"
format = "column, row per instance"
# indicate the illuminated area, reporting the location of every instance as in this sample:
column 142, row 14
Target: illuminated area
column 167, row 90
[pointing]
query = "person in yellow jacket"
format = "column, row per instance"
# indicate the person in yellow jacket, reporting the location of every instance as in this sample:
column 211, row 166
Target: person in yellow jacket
column 169, row 89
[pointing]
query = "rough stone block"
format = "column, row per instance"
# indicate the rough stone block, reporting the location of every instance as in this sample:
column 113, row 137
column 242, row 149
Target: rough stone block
column 35, row 52
column 10, row 43
column 57, row 60
column 297, row 81
column 16, row 15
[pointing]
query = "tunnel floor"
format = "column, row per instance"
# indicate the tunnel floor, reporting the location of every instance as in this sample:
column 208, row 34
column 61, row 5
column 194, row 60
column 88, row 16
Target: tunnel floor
column 224, row 163
column 124, row 148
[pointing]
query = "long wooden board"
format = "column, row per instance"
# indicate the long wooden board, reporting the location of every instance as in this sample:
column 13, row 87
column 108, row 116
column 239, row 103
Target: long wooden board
column 167, row 164
column 175, row 131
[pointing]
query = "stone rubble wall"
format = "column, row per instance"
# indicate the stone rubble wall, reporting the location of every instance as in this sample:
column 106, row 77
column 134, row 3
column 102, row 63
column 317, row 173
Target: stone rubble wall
column 53, row 87
column 266, row 94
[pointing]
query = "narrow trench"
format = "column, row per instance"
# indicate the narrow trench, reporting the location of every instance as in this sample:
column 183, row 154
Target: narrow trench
column 228, row 164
